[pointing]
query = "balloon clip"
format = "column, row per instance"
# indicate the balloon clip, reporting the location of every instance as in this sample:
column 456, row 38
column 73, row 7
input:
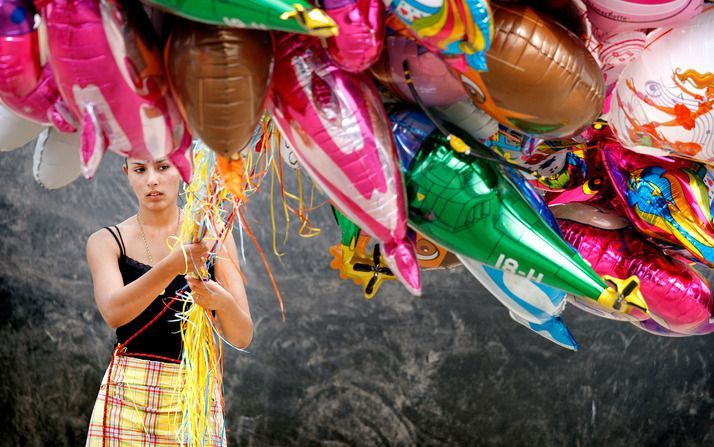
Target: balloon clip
column 624, row 294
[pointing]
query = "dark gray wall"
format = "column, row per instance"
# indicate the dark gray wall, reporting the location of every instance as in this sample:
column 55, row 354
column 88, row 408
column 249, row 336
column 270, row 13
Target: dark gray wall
column 449, row 368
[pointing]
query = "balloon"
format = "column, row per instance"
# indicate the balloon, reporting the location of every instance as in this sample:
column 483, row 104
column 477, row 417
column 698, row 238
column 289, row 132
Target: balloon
column 459, row 30
column 338, row 129
column 351, row 260
column 288, row 154
column 590, row 215
column 531, row 87
column 667, row 203
column 295, row 16
column 664, row 99
column 433, row 256
column 467, row 205
column 530, row 303
column 26, row 87
column 618, row 50
column 108, row 67
column 562, row 170
column 470, row 118
column 56, row 161
column 220, row 78
column 15, row 132
column 361, row 33
column 434, row 83
column 677, row 296
column 616, row 16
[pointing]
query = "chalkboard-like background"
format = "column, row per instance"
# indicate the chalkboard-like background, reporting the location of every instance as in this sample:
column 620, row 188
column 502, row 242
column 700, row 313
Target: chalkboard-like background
column 448, row 368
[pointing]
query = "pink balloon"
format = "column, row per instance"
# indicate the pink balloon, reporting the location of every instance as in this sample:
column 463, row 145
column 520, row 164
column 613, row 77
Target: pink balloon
column 432, row 78
column 27, row 88
column 361, row 33
column 616, row 16
column 677, row 296
column 108, row 67
column 338, row 128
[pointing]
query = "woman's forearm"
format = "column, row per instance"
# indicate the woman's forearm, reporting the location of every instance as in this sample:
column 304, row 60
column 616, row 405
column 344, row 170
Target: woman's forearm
column 236, row 324
column 131, row 300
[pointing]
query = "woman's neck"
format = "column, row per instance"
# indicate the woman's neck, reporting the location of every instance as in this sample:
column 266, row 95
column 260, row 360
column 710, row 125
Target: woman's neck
column 159, row 219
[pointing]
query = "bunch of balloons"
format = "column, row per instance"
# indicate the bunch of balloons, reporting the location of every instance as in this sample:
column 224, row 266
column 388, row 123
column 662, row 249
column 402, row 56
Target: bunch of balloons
column 558, row 149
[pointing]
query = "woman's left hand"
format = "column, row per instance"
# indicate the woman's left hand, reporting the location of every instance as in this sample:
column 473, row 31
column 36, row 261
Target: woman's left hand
column 208, row 294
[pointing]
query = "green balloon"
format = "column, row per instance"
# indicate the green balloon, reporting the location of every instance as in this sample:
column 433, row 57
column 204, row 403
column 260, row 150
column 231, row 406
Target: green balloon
column 350, row 231
column 295, row 16
column 467, row 205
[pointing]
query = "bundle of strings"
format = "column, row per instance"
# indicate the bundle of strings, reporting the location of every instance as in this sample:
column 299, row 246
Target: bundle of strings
column 207, row 217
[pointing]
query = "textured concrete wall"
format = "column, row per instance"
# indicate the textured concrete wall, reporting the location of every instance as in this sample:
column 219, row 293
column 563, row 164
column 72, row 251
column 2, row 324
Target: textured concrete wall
column 449, row 368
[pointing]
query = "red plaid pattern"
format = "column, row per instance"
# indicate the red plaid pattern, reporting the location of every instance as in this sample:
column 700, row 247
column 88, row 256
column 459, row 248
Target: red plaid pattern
column 142, row 409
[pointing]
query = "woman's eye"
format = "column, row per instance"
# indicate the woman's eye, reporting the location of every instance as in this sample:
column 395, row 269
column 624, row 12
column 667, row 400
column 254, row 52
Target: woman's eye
column 139, row 170
column 164, row 167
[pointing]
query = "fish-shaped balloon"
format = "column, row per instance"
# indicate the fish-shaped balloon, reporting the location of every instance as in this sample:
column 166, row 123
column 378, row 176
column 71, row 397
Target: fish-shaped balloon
column 339, row 130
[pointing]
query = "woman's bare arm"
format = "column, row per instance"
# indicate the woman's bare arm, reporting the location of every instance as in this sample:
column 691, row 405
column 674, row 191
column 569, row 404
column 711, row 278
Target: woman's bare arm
column 119, row 303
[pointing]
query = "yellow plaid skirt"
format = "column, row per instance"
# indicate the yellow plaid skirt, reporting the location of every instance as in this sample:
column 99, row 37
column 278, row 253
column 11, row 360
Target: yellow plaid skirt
column 138, row 406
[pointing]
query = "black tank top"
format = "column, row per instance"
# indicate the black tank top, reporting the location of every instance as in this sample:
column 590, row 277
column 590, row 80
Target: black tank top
column 161, row 339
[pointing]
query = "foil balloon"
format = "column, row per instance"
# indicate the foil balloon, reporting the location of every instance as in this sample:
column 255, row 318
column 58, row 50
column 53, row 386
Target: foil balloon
column 618, row 50
column 433, row 256
column 350, row 258
column 361, row 33
column 26, row 87
column 338, row 129
column 469, row 206
column 431, row 76
column 295, row 16
column 664, row 100
column 670, row 204
column 529, row 86
column 108, row 67
column 530, row 303
column 616, row 16
column 220, row 79
column 16, row 132
column 459, row 30
column 56, row 163
column 677, row 296
column 590, row 215
column 469, row 118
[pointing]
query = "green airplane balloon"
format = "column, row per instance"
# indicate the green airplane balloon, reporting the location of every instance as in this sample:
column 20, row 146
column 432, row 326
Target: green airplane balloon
column 470, row 207
column 295, row 16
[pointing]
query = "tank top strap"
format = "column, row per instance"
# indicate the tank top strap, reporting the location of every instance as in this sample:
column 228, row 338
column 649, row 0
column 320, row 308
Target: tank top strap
column 120, row 240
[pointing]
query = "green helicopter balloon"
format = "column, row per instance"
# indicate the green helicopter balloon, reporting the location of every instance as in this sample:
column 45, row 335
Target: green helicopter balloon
column 295, row 16
column 469, row 206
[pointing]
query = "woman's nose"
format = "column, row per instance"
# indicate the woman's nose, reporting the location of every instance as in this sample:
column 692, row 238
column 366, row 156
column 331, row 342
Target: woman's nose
column 153, row 177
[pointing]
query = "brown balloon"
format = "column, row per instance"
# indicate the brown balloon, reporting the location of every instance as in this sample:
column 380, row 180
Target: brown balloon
column 541, row 78
column 220, row 78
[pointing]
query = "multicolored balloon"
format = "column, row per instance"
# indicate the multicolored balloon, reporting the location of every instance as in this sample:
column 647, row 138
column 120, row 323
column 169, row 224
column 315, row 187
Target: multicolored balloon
column 530, row 87
column 617, row 16
column 338, row 128
column 16, row 132
column 678, row 297
column 361, row 36
column 664, row 100
column 459, row 30
column 470, row 118
column 431, row 76
column 220, row 79
column 295, row 16
column 108, row 67
column 470, row 207
column 26, row 87
column 670, row 203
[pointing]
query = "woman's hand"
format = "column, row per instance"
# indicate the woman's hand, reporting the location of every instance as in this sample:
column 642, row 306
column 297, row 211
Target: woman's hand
column 192, row 256
column 209, row 294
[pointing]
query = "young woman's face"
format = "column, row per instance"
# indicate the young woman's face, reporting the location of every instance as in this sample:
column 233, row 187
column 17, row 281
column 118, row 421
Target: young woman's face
column 155, row 183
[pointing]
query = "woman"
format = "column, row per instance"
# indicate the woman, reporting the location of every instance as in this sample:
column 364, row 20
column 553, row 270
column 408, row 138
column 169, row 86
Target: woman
column 136, row 278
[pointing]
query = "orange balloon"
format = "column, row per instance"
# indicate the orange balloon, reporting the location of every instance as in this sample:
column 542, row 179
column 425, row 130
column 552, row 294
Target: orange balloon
column 220, row 78
column 541, row 79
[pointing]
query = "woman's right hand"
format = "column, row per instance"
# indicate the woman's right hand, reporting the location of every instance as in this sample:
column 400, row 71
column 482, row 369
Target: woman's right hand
column 192, row 256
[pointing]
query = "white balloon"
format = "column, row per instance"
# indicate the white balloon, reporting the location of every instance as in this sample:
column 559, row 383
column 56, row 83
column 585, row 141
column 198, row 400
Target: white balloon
column 16, row 132
column 56, row 162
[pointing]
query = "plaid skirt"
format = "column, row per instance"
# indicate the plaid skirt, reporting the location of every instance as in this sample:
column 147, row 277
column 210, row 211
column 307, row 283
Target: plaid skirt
column 138, row 406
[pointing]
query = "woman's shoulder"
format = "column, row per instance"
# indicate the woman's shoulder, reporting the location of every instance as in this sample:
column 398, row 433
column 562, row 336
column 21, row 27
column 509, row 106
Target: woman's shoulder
column 107, row 234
